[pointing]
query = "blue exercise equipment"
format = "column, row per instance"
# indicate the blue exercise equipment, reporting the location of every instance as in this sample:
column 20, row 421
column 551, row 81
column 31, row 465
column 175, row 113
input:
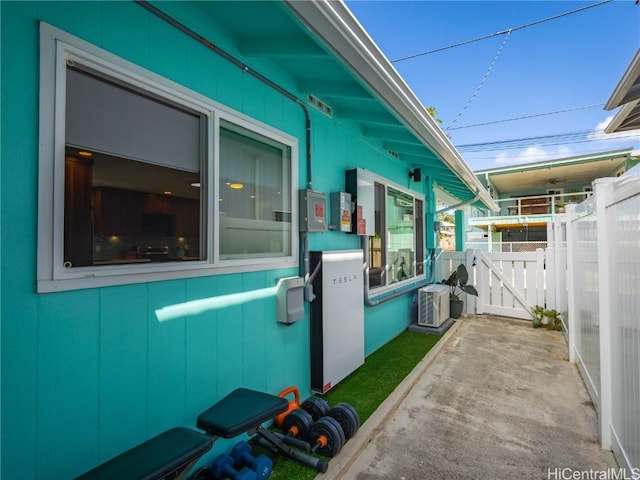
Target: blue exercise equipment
column 242, row 453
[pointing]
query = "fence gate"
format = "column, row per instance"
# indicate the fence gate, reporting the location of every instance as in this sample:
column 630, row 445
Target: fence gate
column 508, row 283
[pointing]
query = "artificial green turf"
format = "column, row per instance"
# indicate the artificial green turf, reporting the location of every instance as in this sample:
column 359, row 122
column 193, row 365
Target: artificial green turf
column 366, row 388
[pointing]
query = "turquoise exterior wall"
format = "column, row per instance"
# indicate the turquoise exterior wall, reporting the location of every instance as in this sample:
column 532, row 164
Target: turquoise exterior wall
column 89, row 373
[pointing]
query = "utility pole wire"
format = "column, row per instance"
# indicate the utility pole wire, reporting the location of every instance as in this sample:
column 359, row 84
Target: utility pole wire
column 484, row 79
column 502, row 32
column 528, row 116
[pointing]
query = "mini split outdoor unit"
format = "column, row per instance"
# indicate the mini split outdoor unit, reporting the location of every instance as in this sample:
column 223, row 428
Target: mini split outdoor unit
column 433, row 305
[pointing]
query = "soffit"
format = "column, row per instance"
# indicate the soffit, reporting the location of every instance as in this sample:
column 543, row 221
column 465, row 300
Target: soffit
column 267, row 35
column 550, row 176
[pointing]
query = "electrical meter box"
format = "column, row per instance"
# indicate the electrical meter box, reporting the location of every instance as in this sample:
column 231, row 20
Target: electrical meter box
column 313, row 211
column 340, row 203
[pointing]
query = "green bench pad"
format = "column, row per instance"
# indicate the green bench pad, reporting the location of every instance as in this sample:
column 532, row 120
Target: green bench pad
column 157, row 457
column 240, row 411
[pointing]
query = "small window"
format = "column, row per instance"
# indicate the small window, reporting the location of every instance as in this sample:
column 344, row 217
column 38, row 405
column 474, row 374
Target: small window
column 255, row 195
column 397, row 248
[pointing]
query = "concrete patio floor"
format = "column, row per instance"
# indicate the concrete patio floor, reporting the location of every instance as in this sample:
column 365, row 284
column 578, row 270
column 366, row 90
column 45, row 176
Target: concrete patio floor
column 496, row 399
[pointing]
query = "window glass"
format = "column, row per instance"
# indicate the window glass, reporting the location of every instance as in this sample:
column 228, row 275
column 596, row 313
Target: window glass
column 132, row 175
column 400, row 227
column 396, row 251
column 254, row 195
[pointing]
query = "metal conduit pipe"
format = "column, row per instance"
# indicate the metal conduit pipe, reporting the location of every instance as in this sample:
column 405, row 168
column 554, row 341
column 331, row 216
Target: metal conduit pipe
column 401, row 291
column 304, row 265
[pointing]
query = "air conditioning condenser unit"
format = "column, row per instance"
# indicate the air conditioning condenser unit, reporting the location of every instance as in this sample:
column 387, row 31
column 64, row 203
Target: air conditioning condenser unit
column 433, row 305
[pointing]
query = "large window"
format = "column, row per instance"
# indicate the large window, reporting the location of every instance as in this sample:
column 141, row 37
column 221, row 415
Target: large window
column 150, row 180
column 133, row 175
column 396, row 251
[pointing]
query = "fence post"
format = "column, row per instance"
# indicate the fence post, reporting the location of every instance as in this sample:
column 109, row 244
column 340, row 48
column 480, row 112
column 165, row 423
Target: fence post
column 540, row 277
column 603, row 191
column 470, row 263
column 571, row 272
column 550, row 286
column 481, row 280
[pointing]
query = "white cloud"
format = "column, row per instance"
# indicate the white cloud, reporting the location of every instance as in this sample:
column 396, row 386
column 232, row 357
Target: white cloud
column 603, row 124
column 598, row 133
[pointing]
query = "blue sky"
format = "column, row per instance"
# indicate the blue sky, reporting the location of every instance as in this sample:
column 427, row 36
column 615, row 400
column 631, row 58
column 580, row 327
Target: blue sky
column 570, row 62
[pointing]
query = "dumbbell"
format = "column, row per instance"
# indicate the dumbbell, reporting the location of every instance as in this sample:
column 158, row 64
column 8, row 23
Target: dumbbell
column 326, row 437
column 344, row 413
column 315, row 406
column 222, row 467
column 297, row 424
column 347, row 417
column 262, row 465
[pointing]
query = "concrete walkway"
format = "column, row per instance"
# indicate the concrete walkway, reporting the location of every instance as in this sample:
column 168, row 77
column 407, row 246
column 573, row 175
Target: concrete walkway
column 496, row 400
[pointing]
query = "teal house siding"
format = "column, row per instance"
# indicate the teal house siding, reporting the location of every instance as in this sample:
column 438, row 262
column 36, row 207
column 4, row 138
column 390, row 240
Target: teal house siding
column 88, row 373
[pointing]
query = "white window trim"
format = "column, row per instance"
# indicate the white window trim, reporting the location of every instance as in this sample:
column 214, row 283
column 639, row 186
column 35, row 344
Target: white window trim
column 55, row 46
column 378, row 291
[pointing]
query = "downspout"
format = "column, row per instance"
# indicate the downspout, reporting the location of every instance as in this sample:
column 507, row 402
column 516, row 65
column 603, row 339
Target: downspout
column 304, row 264
column 461, row 204
column 400, row 291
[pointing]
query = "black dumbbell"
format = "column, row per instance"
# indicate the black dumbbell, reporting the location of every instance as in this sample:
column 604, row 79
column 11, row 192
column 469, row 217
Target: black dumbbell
column 222, row 467
column 262, row 465
column 326, row 437
column 347, row 417
column 297, row 424
column 315, row 406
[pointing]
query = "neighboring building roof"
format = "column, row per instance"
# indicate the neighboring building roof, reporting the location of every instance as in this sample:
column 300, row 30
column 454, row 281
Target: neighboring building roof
column 555, row 173
column 322, row 49
column 627, row 95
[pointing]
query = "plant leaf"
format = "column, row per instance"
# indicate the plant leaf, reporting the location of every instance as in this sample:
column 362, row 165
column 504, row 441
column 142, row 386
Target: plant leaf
column 470, row 289
column 452, row 280
column 463, row 275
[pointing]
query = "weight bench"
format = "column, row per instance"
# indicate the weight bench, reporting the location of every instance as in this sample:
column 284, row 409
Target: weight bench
column 169, row 454
column 173, row 453
column 223, row 420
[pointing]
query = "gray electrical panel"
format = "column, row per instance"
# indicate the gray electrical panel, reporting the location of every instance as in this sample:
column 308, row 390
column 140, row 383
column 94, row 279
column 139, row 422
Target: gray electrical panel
column 340, row 211
column 313, row 211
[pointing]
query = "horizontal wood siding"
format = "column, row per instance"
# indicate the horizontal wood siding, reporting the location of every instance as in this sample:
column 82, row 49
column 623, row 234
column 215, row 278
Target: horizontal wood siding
column 89, row 373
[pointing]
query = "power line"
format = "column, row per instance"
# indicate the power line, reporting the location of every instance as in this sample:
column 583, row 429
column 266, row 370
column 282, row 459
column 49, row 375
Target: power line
column 528, row 116
column 544, row 140
column 538, row 155
column 484, row 79
column 502, row 32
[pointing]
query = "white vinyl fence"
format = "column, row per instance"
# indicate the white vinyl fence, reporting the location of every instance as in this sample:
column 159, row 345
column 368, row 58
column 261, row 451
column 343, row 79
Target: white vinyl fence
column 603, row 249
column 508, row 283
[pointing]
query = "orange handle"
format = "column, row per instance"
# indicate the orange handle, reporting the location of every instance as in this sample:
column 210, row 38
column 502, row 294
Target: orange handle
column 289, row 390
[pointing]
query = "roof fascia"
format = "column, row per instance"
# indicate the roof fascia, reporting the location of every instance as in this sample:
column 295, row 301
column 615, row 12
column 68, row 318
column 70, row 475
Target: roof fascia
column 557, row 163
column 626, row 82
column 620, row 117
column 334, row 24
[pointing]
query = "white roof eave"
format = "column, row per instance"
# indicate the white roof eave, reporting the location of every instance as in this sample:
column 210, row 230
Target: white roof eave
column 625, row 84
column 620, row 117
column 335, row 25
